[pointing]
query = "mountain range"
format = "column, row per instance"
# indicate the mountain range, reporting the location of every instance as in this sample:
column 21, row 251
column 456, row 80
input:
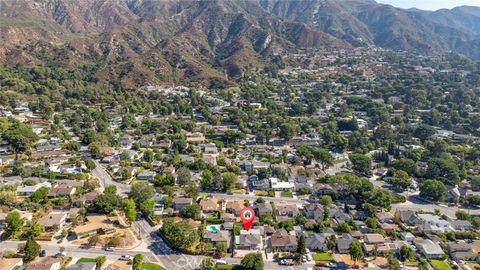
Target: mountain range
column 134, row 42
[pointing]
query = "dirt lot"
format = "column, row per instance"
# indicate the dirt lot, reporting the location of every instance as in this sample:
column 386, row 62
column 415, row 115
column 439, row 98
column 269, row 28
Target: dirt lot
column 346, row 259
column 120, row 235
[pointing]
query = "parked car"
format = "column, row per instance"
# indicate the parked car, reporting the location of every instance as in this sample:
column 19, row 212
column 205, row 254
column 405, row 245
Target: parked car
column 43, row 253
column 332, row 265
column 304, row 259
column 61, row 254
column 126, row 258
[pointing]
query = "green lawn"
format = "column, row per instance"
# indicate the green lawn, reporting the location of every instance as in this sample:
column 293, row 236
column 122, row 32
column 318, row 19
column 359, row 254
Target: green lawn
column 323, row 257
column 82, row 260
column 440, row 265
column 287, row 194
column 151, row 266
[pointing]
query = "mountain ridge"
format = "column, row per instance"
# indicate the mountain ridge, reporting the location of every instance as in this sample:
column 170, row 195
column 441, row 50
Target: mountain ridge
column 149, row 41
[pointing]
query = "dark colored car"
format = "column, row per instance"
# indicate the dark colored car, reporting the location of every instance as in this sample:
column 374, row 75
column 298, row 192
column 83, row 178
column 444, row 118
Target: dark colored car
column 43, row 253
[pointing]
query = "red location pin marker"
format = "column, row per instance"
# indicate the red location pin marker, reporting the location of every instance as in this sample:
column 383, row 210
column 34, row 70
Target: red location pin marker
column 247, row 215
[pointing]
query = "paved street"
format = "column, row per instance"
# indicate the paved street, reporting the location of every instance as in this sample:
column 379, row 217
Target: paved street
column 105, row 180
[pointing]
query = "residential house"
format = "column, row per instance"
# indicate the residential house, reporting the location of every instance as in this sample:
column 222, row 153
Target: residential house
column 461, row 250
column 86, row 198
column 94, row 224
column 256, row 164
column 249, row 240
column 281, row 240
column 385, row 217
column 181, row 202
column 53, row 221
column 46, row 263
column 407, row 236
column 260, row 184
column 344, row 243
column 429, row 249
column 208, row 205
column 234, row 207
column 61, row 191
column 316, row 242
column 461, row 225
column 263, row 209
column 406, row 216
column 375, row 243
column 29, row 190
column 146, row 176
column 428, row 223
column 281, row 186
column 314, row 211
column 218, row 236
column 290, row 210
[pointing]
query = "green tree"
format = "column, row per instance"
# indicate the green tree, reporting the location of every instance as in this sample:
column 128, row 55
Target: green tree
column 229, row 179
column 148, row 156
column 147, row 207
column 433, row 190
column 406, row 252
column 423, row 132
column 39, row 195
column 94, row 149
column 288, row 130
column 326, row 200
column 34, row 229
column 462, row 215
column 13, row 223
column 90, row 164
column 141, row 191
column 106, row 203
column 344, row 227
column 181, row 235
column 381, row 198
column 355, row 251
column 20, row 137
column 372, row 222
column 361, row 163
column 31, row 250
column 401, row 180
column 130, row 210
column 137, row 262
column 191, row 211
column 206, row 179
column 183, row 176
column 100, row 261
column 301, row 248
column 252, row 261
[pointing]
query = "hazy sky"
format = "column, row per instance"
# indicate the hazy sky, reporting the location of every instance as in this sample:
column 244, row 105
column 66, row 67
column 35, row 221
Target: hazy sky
column 430, row 4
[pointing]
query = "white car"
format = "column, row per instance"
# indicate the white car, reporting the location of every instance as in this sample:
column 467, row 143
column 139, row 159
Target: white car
column 111, row 249
column 126, row 258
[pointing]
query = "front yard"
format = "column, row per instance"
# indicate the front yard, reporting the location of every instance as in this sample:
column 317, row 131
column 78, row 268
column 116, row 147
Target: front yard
column 151, row 266
column 440, row 265
column 323, row 257
column 288, row 194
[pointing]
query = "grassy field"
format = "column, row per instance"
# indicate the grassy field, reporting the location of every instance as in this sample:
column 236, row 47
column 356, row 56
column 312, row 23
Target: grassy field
column 82, row 260
column 151, row 266
column 323, row 257
column 440, row 265
column 287, row 194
